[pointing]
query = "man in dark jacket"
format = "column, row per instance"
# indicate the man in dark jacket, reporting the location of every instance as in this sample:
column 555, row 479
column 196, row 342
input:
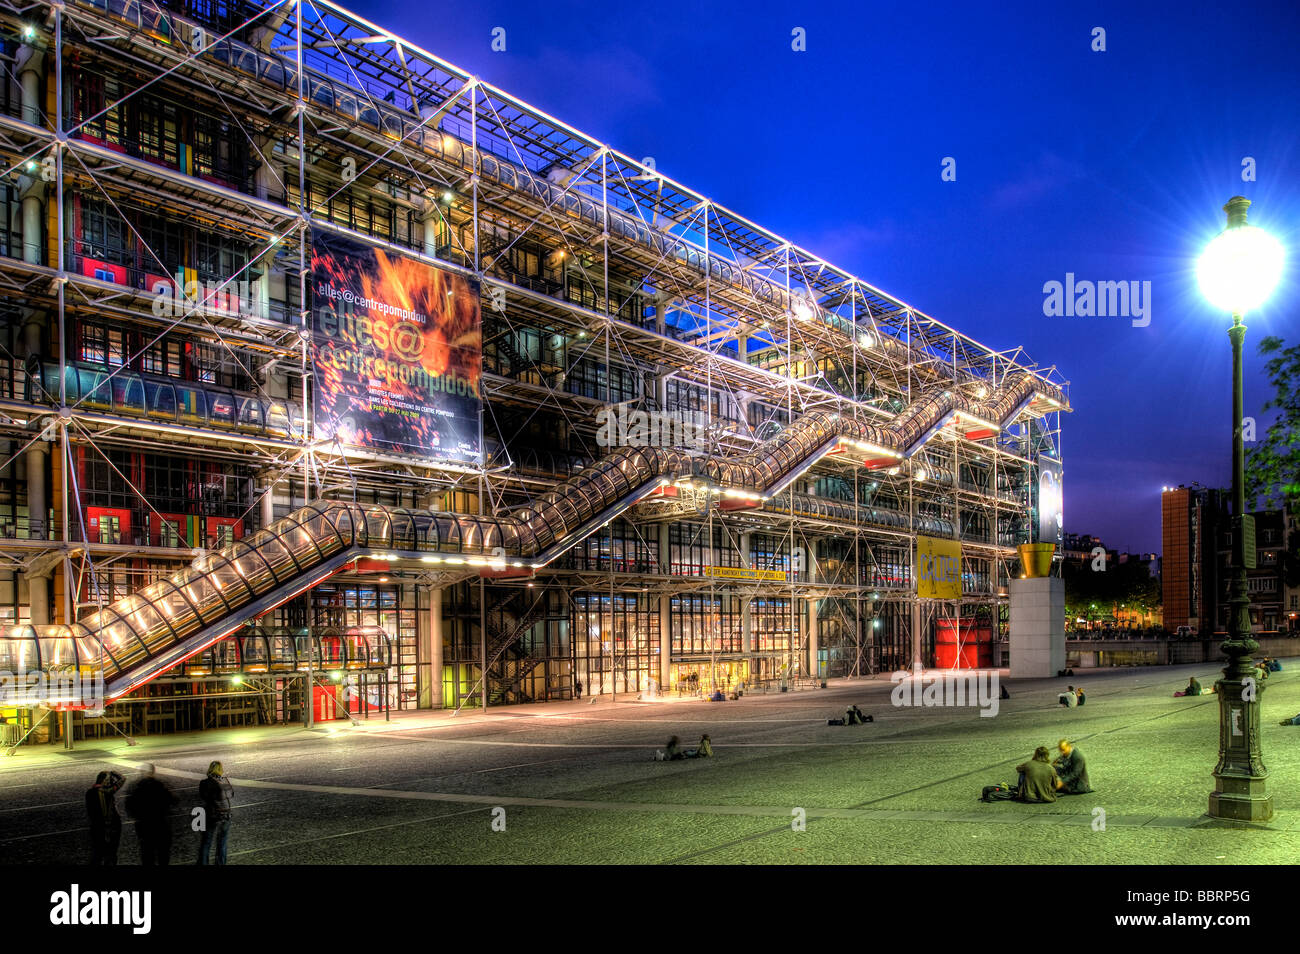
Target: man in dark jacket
column 1037, row 778
column 216, row 792
column 150, row 803
column 105, row 822
column 1071, row 769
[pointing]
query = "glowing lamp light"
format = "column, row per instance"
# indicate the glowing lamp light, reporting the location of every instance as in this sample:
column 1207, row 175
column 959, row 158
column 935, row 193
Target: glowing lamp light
column 1240, row 268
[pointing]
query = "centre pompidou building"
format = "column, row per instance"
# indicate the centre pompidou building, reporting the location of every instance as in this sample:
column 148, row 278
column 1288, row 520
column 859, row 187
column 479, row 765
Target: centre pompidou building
column 326, row 366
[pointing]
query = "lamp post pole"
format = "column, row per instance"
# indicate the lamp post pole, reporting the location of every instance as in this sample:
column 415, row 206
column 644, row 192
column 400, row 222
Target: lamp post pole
column 1239, row 791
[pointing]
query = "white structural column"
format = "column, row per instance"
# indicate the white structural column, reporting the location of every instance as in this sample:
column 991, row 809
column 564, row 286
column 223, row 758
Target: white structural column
column 811, row 608
column 746, row 606
column 917, row 617
column 665, row 611
column 1037, row 627
column 267, row 503
column 429, row 685
column 38, row 507
column 665, row 641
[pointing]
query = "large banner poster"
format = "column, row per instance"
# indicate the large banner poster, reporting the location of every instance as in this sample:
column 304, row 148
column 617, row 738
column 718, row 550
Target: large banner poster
column 938, row 569
column 1051, row 502
column 397, row 352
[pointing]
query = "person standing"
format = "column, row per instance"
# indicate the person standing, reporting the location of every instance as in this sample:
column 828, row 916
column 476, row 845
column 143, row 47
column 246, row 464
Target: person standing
column 1071, row 769
column 577, row 688
column 150, row 803
column 216, row 792
column 105, row 822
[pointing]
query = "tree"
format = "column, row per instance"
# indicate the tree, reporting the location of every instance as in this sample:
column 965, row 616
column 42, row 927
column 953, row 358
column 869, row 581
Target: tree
column 1273, row 464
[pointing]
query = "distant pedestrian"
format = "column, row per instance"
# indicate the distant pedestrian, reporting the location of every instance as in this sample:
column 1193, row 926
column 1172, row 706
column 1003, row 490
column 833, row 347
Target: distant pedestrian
column 150, row 803
column 105, row 822
column 577, row 688
column 216, row 792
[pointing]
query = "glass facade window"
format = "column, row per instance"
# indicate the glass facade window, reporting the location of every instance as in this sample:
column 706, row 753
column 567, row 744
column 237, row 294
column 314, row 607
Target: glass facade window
column 706, row 625
column 615, row 642
column 692, row 549
column 626, row 548
column 102, row 345
column 387, row 606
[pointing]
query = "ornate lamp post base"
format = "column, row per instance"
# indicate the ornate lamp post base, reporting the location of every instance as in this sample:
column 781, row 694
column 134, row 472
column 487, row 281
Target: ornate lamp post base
column 1239, row 791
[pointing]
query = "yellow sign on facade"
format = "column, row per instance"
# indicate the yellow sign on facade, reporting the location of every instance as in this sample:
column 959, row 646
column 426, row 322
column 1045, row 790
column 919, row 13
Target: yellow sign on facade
column 738, row 573
column 938, row 568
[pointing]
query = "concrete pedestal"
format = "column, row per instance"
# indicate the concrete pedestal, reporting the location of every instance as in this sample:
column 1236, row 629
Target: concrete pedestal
column 1037, row 627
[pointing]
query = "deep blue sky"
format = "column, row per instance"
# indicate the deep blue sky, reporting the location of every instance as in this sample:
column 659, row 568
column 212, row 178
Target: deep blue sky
column 1109, row 165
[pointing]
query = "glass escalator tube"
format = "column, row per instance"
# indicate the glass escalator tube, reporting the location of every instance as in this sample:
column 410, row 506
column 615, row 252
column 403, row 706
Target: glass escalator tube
column 172, row 610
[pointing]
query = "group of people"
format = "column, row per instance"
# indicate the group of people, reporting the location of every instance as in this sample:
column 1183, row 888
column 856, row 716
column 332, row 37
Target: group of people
column 151, row 803
column 1263, row 667
column 1043, row 779
column 1072, row 697
column 673, row 751
column 852, row 716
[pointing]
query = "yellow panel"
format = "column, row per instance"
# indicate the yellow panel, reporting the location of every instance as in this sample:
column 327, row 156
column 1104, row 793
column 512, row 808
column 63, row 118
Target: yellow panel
column 938, row 568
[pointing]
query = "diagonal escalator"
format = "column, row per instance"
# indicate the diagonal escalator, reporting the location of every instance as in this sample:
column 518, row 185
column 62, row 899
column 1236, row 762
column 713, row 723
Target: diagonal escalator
column 142, row 635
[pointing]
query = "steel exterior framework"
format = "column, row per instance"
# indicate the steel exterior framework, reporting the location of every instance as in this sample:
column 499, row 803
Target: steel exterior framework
column 338, row 114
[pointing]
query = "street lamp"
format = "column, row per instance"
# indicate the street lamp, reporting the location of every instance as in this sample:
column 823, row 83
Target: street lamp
column 1237, row 272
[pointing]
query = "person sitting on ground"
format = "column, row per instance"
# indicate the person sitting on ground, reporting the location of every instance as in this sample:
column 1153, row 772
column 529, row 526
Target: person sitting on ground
column 1005, row 694
column 1071, row 770
column 673, row 750
column 1079, row 694
column 1294, row 720
column 1193, row 688
column 1068, row 698
column 703, row 751
column 1274, row 665
column 854, row 716
column 1037, row 778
